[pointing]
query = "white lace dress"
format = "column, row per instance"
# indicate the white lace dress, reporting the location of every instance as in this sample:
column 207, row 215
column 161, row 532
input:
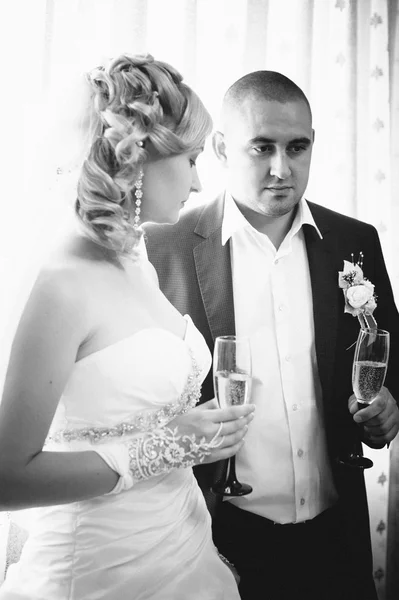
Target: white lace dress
column 152, row 541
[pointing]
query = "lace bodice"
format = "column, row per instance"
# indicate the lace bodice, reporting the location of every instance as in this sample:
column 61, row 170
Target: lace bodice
column 139, row 383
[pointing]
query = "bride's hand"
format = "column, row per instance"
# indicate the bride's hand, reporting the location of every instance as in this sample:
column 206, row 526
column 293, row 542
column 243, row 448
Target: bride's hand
column 223, row 428
column 204, row 434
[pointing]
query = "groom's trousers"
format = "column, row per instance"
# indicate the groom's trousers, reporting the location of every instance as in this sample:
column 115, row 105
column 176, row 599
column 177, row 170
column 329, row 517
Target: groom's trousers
column 300, row 561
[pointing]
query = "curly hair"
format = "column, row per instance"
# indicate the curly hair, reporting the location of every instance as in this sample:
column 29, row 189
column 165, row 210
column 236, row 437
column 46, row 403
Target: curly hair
column 135, row 100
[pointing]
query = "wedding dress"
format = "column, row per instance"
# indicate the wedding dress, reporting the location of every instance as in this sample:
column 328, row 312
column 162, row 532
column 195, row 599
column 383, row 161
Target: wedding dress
column 152, row 541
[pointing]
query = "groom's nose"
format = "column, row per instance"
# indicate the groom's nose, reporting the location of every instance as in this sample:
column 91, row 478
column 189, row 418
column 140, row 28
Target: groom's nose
column 279, row 165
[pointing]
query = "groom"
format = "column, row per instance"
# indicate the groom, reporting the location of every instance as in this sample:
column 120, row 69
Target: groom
column 260, row 261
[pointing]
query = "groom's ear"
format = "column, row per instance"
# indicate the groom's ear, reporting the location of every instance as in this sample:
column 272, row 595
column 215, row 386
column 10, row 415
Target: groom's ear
column 219, row 146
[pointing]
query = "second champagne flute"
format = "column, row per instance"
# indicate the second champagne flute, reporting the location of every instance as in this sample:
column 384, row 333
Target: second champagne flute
column 232, row 383
column 368, row 375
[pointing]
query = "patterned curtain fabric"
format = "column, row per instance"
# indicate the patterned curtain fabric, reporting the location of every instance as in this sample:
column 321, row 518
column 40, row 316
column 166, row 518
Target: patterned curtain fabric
column 343, row 53
column 392, row 582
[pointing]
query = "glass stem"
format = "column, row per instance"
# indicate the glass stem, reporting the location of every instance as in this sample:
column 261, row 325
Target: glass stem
column 354, row 449
column 232, row 477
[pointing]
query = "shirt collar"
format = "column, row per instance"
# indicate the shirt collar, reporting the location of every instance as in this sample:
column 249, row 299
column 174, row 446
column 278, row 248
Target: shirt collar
column 234, row 220
column 304, row 217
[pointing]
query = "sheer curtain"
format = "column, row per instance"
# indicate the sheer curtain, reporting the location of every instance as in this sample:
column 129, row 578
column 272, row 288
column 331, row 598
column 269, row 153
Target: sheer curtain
column 341, row 52
column 392, row 584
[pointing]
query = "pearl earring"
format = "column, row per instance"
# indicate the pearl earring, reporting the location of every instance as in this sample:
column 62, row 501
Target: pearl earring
column 138, row 195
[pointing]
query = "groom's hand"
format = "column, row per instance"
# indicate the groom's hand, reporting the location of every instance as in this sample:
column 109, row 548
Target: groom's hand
column 380, row 419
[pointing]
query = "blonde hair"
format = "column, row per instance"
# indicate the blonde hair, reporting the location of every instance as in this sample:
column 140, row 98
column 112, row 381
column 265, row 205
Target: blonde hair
column 135, row 100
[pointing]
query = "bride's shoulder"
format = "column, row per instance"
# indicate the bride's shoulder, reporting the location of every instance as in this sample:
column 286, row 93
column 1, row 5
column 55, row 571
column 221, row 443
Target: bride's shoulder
column 60, row 285
column 56, row 303
column 71, row 269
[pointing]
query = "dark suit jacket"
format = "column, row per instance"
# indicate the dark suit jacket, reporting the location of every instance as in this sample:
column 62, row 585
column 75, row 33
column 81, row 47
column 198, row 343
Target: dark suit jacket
column 194, row 271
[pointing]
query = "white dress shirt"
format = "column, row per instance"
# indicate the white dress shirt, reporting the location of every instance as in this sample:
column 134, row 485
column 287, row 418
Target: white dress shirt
column 284, row 457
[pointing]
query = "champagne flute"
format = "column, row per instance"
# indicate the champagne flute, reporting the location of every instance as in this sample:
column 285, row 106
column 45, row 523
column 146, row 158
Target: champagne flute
column 232, row 383
column 368, row 375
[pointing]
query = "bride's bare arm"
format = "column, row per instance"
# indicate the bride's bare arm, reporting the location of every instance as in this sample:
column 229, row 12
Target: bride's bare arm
column 53, row 326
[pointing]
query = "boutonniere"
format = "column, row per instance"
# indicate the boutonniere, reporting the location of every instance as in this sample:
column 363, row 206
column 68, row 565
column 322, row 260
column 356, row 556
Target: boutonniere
column 358, row 291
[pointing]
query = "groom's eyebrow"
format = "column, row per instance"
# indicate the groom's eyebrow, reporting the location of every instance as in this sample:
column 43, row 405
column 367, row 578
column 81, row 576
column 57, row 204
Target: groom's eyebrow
column 260, row 139
column 304, row 141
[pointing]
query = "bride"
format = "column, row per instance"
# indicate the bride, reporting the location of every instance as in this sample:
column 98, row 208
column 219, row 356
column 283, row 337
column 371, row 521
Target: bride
column 98, row 424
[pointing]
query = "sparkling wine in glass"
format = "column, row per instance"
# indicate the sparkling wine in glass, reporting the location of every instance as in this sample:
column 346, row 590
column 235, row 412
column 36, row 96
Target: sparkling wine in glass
column 232, row 389
column 368, row 375
column 232, row 383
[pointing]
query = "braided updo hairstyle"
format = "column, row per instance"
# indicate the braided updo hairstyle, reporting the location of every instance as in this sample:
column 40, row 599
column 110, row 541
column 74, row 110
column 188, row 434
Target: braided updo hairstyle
column 136, row 100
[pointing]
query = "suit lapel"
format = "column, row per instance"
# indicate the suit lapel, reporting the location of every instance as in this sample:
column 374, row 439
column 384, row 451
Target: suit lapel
column 213, row 266
column 322, row 255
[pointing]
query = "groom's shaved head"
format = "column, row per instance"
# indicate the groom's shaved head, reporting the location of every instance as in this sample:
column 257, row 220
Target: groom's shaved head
column 262, row 85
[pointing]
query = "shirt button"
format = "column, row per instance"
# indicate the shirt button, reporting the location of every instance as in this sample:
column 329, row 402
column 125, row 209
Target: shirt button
column 281, row 307
column 300, row 452
column 302, row 501
column 276, row 261
column 295, row 407
column 288, row 357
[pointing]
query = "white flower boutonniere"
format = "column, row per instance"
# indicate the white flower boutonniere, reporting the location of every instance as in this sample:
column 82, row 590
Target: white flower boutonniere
column 358, row 291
